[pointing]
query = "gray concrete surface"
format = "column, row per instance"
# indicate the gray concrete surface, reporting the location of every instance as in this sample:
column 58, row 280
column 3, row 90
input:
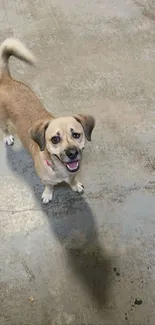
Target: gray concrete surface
column 84, row 259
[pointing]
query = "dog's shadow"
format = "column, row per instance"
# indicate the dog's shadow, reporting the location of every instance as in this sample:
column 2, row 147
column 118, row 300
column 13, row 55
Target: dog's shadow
column 73, row 223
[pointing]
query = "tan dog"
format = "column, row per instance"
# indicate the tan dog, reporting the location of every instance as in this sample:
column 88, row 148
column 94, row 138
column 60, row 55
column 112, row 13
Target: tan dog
column 55, row 144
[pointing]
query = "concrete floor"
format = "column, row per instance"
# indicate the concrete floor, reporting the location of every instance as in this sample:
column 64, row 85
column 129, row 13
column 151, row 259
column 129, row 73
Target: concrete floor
column 84, row 259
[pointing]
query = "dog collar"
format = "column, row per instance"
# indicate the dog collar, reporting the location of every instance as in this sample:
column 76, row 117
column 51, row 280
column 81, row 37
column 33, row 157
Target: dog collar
column 48, row 163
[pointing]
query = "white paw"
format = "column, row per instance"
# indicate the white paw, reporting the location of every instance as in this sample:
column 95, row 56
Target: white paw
column 9, row 140
column 78, row 187
column 47, row 196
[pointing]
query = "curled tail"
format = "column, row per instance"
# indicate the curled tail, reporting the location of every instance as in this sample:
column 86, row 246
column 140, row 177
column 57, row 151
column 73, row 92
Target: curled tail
column 13, row 47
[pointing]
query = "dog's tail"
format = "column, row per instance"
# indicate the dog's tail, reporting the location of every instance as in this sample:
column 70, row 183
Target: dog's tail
column 13, row 47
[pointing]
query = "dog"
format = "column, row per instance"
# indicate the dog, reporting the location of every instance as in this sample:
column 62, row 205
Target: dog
column 55, row 144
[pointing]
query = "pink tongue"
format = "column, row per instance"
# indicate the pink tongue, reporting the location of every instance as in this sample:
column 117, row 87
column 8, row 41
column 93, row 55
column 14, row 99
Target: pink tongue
column 73, row 164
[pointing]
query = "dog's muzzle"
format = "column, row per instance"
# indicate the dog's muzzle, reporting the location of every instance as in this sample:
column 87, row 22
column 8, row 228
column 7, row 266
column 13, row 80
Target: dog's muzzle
column 74, row 157
column 71, row 159
column 72, row 153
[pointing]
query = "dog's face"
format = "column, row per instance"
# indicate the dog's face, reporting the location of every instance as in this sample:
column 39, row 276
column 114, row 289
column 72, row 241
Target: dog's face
column 64, row 138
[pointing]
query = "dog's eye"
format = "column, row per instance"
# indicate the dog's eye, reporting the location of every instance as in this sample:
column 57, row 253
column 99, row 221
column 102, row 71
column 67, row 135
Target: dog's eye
column 55, row 139
column 76, row 135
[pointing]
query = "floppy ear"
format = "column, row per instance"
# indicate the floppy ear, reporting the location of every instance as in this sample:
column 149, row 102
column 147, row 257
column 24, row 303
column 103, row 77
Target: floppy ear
column 87, row 122
column 37, row 133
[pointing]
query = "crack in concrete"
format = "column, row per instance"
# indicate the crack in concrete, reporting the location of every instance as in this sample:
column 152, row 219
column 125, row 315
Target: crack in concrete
column 117, row 194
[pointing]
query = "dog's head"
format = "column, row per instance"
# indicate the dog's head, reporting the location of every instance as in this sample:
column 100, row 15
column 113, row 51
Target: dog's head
column 64, row 138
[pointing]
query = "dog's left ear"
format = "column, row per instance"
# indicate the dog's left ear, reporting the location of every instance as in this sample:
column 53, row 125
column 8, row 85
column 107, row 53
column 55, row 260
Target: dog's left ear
column 87, row 122
column 37, row 133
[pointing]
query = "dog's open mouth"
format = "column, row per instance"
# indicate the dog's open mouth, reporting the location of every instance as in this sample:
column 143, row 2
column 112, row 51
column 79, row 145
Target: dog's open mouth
column 72, row 166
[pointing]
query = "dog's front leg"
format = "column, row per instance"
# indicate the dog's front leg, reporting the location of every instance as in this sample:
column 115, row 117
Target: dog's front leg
column 76, row 186
column 47, row 194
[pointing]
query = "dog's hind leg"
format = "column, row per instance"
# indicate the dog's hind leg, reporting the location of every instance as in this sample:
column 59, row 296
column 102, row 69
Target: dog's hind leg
column 4, row 124
column 7, row 137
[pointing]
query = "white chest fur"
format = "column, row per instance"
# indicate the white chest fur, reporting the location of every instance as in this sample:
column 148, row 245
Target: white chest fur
column 52, row 175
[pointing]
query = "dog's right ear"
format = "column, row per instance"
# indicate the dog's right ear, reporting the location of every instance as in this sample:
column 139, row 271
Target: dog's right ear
column 37, row 133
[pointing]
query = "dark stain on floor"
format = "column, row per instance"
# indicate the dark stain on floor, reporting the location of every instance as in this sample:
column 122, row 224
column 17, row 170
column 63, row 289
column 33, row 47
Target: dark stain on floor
column 115, row 270
column 138, row 301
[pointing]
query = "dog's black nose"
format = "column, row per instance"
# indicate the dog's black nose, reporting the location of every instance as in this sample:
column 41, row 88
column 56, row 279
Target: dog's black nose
column 72, row 153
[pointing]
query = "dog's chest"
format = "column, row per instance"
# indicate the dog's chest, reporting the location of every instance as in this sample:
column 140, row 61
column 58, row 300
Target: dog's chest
column 53, row 177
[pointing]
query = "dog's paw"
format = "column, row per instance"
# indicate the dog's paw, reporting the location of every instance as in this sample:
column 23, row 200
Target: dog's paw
column 78, row 187
column 9, row 140
column 47, row 195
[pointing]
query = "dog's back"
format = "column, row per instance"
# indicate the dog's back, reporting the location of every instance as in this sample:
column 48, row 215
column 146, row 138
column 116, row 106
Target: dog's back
column 18, row 103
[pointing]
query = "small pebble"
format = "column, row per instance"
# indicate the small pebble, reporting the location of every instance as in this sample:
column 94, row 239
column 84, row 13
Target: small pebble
column 31, row 299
